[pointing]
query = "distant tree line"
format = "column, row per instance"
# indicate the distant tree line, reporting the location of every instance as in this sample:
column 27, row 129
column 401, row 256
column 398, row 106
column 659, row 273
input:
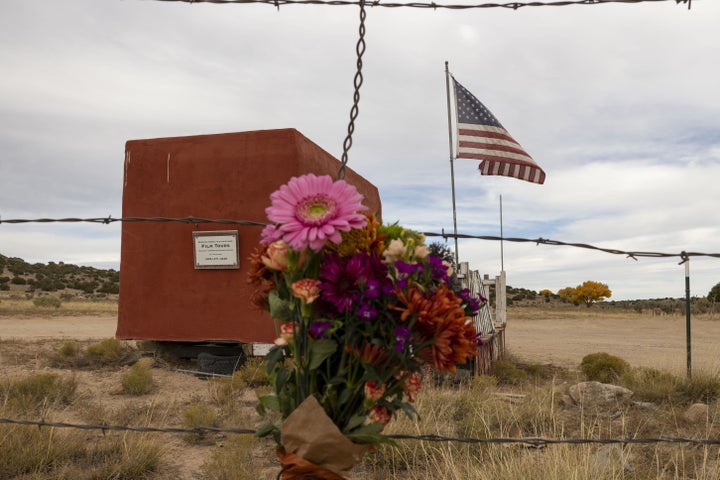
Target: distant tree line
column 52, row 277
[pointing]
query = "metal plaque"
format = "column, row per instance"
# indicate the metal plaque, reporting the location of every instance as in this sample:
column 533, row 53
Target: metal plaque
column 216, row 249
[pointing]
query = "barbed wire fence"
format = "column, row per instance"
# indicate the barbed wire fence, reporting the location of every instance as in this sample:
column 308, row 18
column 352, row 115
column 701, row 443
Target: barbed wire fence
column 531, row 441
column 633, row 254
column 426, row 5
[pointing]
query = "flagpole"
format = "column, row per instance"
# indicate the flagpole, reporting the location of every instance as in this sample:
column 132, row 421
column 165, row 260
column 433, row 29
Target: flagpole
column 452, row 164
column 502, row 256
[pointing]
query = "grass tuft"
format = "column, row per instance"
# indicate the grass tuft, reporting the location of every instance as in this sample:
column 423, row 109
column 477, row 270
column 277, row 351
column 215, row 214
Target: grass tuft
column 138, row 380
column 37, row 391
column 106, row 352
column 198, row 415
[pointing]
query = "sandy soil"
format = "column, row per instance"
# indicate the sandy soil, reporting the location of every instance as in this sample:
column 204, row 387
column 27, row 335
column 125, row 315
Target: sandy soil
column 658, row 342
column 79, row 327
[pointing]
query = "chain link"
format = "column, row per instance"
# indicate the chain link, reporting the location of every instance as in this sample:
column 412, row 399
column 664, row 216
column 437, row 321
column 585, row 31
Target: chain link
column 357, row 81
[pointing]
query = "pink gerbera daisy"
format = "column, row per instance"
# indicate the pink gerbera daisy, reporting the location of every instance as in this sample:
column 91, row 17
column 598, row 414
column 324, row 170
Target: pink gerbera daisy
column 310, row 210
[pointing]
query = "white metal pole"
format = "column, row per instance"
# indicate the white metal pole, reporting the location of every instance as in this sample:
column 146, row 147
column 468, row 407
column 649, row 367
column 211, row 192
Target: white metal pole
column 452, row 164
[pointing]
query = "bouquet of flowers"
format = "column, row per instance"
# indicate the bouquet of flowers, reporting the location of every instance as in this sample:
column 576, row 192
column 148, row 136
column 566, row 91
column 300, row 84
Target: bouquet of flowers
column 360, row 309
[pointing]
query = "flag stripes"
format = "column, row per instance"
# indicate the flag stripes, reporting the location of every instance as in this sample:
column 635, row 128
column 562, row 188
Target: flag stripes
column 481, row 136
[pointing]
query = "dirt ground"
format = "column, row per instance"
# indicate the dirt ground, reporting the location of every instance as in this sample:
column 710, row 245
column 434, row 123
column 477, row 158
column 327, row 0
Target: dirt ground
column 658, row 342
column 642, row 341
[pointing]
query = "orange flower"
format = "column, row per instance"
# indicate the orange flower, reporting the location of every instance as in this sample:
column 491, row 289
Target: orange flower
column 441, row 320
column 454, row 343
column 306, row 289
column 260, row 277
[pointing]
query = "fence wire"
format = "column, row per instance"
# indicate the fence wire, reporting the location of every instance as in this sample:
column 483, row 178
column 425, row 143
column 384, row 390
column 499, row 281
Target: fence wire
column 634, row 254
column 427, row 5
column 532, row 441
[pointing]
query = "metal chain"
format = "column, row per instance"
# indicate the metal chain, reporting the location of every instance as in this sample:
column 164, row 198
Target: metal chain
column 357, row 81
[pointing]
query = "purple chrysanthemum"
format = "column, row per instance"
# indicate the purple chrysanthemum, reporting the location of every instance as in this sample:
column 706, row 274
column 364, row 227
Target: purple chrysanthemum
column 309, row 211
column 346, row 280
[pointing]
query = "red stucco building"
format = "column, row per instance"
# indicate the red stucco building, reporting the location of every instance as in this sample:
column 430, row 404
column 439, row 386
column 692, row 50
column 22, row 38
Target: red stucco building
column 186, row 282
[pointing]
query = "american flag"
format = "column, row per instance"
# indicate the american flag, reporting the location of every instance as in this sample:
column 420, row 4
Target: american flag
column 481, row 136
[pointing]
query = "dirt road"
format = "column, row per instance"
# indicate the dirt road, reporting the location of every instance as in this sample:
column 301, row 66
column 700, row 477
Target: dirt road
column 643, row 341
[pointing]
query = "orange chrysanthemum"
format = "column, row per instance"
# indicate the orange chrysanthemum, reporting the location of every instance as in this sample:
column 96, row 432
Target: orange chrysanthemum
column 441, row 320
column 453, row 344
column 260, row 277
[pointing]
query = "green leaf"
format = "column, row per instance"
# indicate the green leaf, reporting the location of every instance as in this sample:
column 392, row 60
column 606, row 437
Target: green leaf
column 345, row 395
column 276, row 354
column 355, row 421
column 270, row 402
column 279, row 309
column 410, row 411
column 370, row 434
column 265, row 430
column 321, row 350
column 280, row 380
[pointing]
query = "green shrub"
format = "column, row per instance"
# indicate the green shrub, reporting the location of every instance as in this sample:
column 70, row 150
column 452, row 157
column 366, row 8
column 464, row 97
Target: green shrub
column 47, row 301
column 603, row 367
column 138, row 380
column 507, row 373
column 70, row 349
column 107, row 351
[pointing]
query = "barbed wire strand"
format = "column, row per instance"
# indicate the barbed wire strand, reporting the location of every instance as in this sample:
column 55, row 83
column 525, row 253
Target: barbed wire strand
column 427, row 5
column 533, row 441
column 684, row 255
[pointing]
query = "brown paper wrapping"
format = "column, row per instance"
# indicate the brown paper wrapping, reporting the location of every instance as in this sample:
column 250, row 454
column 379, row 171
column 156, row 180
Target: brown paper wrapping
column 315, row 447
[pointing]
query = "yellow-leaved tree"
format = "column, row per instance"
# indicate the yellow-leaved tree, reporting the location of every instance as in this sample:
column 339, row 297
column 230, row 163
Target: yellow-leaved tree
column 588, row 293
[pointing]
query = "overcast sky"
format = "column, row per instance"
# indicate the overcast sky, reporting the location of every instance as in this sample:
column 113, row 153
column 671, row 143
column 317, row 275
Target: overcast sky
column 618, row 103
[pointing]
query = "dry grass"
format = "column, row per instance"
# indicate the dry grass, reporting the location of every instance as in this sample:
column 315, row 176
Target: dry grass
column 23, row 307
column 531, row 405
column 597, row 311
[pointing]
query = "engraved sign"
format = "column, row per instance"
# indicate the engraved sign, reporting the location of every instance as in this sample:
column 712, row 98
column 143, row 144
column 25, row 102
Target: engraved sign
column 216, row 249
